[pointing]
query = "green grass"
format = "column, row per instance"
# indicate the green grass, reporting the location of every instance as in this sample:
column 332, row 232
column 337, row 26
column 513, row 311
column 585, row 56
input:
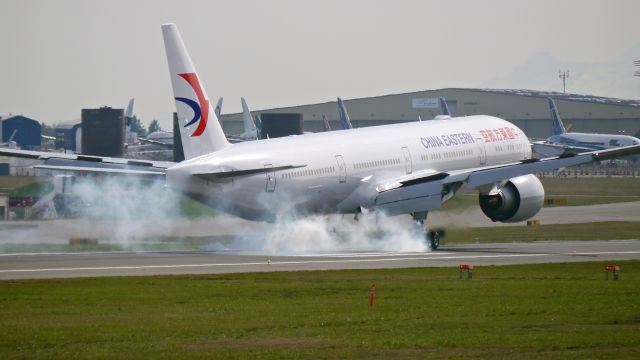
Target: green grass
column 592, row 186
column 25, row 186
column 609, row 230
column 551, row 311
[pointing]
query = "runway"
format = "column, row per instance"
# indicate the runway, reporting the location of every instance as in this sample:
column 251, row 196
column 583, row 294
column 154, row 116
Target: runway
column 67, row 265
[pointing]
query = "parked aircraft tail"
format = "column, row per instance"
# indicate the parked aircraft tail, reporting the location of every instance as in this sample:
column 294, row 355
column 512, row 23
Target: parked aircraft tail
column 258, row 127
column 325, row 124
column 200, row 129
column 444, row 108
column 345, row 122
column 247, row 119
column 218, row 109
column 129, row 112
column 557, row 127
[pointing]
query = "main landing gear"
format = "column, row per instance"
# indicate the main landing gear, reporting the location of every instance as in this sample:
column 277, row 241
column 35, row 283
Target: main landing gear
column 432, row 237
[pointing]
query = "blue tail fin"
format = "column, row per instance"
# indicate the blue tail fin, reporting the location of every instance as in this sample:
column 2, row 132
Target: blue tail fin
column 345, row 123
column 444, row 107
column 557, row 127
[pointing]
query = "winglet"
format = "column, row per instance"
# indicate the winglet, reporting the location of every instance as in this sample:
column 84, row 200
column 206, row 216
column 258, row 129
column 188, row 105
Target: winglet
column 199, row 127
column 345, row 122
column 557, row 127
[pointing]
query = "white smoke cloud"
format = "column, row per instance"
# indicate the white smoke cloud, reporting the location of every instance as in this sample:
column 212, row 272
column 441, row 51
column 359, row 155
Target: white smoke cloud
column 334, row 233
column 136, row 216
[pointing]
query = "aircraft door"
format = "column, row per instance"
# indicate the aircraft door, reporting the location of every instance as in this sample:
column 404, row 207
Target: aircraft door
column 342, row 169
column 482, row 151
column 271, row 179
column 408, row 166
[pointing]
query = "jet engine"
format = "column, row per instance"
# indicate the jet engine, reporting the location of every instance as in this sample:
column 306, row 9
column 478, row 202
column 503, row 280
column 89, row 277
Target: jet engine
column 517, row 200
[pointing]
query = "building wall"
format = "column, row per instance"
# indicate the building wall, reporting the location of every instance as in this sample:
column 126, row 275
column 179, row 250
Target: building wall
column 531, row 113
column 28, row 131
column 103, row 132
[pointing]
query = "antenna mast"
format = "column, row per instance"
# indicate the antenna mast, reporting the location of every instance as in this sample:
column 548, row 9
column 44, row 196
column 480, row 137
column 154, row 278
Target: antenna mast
column 564, row 75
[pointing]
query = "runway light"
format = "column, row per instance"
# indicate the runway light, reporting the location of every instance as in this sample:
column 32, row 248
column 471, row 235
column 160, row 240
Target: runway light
column 372, row 294
column 468, row 268
column 615, row 269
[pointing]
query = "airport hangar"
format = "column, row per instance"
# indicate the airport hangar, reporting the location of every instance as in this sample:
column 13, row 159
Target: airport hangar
column 528, row 109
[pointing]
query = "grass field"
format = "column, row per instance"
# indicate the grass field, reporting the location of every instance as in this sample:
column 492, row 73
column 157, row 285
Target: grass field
column 25, row 185
column 551, row 311
column 610, row 230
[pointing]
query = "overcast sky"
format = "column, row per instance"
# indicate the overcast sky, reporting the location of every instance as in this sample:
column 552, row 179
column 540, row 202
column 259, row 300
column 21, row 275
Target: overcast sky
column 57, row 57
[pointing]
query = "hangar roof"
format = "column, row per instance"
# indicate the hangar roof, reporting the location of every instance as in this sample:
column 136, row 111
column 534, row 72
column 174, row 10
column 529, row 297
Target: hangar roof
column 557, row 95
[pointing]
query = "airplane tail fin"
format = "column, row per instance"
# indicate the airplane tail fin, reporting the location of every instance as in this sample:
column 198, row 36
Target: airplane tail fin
column 258, row 127
column 557, row 127
column 128, row 116
column 129, row 112
column 199, row 127
column 444, row 108
column 249, row 126
column 325, row 123
column 218, row 109
column 345, row 122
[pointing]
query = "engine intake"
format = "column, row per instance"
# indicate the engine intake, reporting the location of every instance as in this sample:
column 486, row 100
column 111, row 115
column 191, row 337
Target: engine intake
column 518, row 200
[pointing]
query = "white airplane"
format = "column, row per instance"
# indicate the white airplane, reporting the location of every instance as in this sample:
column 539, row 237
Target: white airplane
column 400, row 169
column 562, row 141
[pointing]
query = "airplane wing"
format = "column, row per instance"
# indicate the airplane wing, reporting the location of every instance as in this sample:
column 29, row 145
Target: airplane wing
column 87, row 163
column 547, row 149
column 156, row 142
column 429, row 190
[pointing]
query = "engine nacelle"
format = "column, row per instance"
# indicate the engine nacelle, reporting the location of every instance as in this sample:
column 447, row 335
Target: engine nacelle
column 518, row 200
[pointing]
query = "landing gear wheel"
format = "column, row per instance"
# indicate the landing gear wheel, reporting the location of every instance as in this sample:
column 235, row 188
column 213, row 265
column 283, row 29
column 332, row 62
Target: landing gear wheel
column 434, row 240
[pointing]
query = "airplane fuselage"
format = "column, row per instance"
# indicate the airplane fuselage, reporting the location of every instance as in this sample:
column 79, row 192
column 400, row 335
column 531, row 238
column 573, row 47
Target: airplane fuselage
column 593, row 141
column 334, row 165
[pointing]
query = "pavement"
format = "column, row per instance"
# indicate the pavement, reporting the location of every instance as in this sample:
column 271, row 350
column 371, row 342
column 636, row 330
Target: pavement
column 27, row 248
column 67, row 265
